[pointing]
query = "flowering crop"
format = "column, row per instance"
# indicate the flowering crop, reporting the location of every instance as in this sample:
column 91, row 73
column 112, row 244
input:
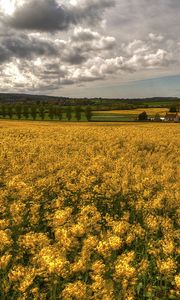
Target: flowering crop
column 89, row 211
column 150, row 111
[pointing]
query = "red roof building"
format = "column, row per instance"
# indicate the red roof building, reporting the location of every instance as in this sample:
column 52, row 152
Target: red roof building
column 171, row 117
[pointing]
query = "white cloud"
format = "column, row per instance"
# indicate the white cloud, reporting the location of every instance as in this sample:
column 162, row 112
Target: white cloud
column 156, row 37
column 159, row 58
column 136, row 47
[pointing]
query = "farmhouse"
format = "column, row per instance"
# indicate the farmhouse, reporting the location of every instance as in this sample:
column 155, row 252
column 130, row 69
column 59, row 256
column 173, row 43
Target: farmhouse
column 177, row 119
column 172, row 117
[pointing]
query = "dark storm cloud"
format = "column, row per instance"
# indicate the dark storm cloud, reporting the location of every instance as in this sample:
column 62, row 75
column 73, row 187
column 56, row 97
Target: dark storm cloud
column 73, row 57
column 22, row 46
column 41, row 15
column 48, row 15
column 83, row 44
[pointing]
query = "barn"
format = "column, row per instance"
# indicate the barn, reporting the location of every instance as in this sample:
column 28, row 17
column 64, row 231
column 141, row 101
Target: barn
column 171, row 117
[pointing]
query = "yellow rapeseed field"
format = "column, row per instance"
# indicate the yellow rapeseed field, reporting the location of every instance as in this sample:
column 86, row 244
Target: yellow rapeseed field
column 150, row 111
column 89, row 211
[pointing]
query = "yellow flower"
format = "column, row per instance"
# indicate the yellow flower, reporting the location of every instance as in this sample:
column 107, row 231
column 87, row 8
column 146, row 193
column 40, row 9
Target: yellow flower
column 123, row 267
column 23, row 275
column 120, row 228
column 27, row 280
column 151, row 222
column 166, row 224
column 177, row 281
column 130, row 238
column 34, row 212
column 89, row 216
column 79, row 266
column 64, row 239
column 4, row 224
column 6, row 240
column 98, row 267
column 17, row 209
column 90, row 242
column 167, row 246
column 76, row 290
column 167, row 266
column 33, row 241
column 115, row 242
column 62, row 216
column 78, row 230
column 4, row 261
column 103, row 248
column 52, row 260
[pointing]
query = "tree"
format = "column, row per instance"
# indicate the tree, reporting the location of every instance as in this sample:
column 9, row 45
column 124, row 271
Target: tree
column 18, row 109
column 78, row 113
column 173, row 109
column 143, row 116
column 88, row 113
column 34, row 112
column 42, row 112
column 3, row 111
column 10, row 111
column 59, row 112
column 26, row 111
column 157, row 117
column 51, row 112
column 69, row 113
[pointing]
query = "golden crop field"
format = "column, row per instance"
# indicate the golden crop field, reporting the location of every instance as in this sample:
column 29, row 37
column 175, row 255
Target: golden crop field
column 89, row 211
column 150, row 111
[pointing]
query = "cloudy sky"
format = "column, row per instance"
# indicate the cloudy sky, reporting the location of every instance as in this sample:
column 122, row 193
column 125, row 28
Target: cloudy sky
column 104, row 48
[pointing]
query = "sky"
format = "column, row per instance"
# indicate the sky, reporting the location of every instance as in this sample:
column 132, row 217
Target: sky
column 90, row 48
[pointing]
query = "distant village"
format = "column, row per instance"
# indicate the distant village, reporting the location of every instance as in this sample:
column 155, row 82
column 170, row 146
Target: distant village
column 169, row 117
column 172, row 116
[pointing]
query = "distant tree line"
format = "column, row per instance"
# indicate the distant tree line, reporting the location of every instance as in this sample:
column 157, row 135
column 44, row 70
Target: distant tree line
column 12, row 98
column 42, row 112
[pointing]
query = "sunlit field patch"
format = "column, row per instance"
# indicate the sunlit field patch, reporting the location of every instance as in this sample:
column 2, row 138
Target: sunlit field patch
column 150, row 111
column 89, row 211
